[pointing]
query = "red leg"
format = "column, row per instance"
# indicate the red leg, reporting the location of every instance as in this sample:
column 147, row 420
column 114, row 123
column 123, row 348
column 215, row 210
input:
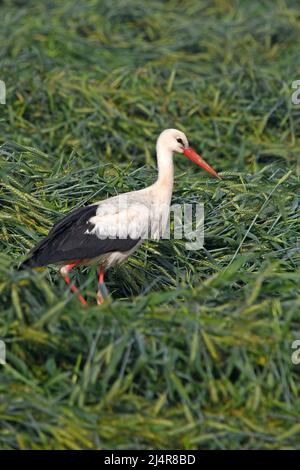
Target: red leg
column 64, row 272
column 101, row 275
column 100, row 298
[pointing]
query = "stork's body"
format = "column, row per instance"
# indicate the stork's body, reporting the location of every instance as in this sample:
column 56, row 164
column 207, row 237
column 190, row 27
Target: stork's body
column 109, row 231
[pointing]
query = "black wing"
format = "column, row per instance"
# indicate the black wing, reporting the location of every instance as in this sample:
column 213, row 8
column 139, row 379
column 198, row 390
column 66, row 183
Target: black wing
column 67, row 241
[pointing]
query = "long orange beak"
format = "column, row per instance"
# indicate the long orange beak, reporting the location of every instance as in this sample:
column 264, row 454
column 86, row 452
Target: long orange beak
column 194, row 157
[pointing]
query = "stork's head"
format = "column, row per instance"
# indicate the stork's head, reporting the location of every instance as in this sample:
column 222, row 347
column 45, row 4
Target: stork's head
column 173, row 140
column 176, row 141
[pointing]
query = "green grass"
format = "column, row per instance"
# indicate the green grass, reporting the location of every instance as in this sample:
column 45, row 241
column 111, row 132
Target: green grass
column 194, row 349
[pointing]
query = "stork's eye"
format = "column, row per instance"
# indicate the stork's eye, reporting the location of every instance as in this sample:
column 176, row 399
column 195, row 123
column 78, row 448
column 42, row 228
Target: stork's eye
column 180, row 141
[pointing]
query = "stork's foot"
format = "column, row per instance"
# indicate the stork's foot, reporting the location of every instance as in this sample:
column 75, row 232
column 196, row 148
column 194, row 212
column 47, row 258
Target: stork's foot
column 102, row 293
column 100, row 298
column 64, row 271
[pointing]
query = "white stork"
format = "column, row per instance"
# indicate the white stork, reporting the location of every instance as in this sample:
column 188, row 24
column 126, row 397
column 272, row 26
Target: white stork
column 109, row 231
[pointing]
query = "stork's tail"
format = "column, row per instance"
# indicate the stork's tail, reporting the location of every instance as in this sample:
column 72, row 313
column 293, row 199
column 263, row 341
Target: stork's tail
column 31, row 262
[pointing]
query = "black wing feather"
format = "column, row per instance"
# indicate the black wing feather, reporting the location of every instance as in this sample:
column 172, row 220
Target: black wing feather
column 67, row 241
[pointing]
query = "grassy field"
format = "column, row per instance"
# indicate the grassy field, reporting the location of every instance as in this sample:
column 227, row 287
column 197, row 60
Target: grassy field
column 193, row 350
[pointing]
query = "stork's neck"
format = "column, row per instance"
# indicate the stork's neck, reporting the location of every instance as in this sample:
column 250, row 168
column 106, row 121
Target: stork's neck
column 165, row 178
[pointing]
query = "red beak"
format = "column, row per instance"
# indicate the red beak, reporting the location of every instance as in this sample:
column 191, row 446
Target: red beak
column 194, row 157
